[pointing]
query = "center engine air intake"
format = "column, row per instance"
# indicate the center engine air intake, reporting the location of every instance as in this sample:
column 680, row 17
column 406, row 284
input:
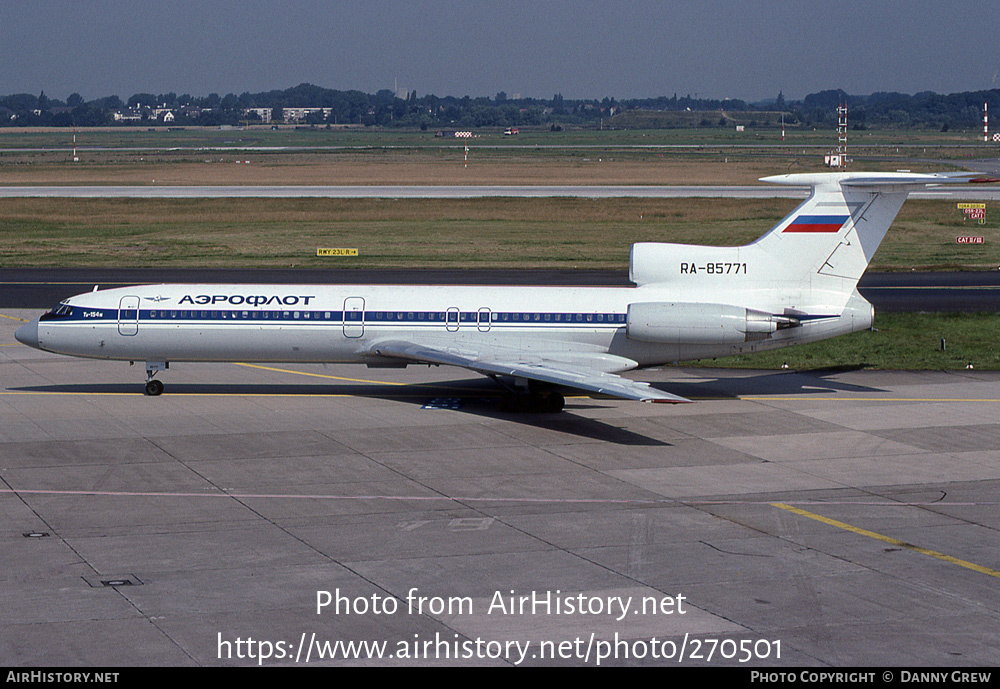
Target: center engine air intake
column 686, row 323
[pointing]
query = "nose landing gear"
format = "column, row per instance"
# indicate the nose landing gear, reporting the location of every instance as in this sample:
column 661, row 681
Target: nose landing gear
column 154, row 387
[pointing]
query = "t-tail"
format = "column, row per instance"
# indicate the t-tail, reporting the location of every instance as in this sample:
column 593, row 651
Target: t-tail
column 806, row 268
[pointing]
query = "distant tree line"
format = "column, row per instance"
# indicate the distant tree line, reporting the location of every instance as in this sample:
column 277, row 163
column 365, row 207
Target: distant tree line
column 884, row 109
column 387, row 109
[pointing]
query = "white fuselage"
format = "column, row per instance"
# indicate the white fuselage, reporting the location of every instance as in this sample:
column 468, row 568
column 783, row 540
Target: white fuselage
column 342, row 323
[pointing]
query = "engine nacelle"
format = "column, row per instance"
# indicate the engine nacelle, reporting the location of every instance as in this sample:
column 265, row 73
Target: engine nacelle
column 704, row 324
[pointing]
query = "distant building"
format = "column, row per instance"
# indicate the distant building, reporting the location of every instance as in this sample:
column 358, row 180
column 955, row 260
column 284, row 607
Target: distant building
column 263, row 113
column 130, row 115
column 299, row 114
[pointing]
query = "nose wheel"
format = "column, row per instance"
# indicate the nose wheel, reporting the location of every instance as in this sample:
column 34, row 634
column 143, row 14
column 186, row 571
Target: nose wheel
column 154, row 387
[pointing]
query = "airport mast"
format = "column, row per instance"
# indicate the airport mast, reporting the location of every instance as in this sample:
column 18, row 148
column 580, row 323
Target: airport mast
column 842, row 132
column 986, row 123
column 839, row 158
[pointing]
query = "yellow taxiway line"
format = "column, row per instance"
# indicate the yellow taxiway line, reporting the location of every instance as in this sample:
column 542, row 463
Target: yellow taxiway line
column 869, row 399
column 888, row 539
column 323, row 375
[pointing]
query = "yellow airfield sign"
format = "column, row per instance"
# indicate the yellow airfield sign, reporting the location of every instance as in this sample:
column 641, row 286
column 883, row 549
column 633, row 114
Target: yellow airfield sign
column 974, row 211
column 336, row 252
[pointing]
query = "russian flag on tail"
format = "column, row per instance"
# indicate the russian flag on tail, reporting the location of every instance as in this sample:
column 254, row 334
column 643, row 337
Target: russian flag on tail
column 817, row 223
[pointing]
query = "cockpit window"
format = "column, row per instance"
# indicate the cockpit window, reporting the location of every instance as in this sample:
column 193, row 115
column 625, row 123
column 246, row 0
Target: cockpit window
column 59, row 311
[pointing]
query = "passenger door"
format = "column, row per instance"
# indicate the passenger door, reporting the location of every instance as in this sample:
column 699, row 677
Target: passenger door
column 354, row 317
column 484, row 320
column 128, row 316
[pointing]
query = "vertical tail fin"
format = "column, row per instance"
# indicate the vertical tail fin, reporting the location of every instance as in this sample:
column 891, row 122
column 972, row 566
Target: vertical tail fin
column 815, row 255
column 836, row 231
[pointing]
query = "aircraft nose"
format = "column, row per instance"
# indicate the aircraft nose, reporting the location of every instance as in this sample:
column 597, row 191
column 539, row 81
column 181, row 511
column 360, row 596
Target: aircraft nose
column 28, row 334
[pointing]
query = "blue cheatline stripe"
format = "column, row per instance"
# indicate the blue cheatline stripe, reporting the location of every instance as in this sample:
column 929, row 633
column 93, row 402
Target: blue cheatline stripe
column 466, row 318
column 816, row 317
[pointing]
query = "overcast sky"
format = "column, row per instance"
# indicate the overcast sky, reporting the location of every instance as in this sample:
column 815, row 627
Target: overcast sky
column 746, row 49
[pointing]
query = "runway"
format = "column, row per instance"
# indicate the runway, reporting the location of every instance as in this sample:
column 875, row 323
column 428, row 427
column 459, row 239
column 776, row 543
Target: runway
column 786, row 519
column 453, row 192
column 402, row 192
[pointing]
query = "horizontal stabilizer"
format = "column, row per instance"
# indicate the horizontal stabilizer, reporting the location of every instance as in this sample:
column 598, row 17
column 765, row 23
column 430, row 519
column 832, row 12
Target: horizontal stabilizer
column 890, row 181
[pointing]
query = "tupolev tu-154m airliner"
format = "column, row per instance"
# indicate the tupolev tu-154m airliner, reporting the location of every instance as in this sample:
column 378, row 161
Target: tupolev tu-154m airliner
column 795, row 284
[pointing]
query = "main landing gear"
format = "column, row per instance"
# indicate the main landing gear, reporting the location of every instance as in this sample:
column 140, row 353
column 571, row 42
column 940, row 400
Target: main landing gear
column 154, row 387
column 543, row 401
column 528, row 396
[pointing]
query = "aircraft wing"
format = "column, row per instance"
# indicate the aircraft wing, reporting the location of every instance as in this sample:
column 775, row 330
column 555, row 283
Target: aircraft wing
column 574, row 373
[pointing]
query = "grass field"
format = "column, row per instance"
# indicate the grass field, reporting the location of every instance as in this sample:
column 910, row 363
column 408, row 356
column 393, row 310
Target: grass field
column 617, row 132
column 898, row 341
column 293, row 156
column 470, row 233
column 432, row 167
